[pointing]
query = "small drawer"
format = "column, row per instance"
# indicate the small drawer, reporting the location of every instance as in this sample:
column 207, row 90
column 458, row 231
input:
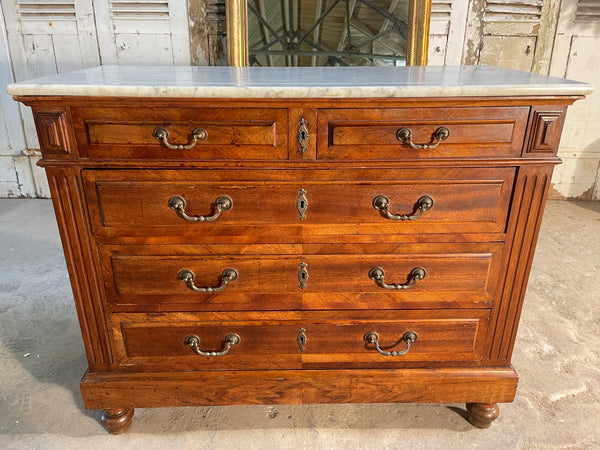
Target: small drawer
column 179, row 278
column 221, row 204
column 248, row 341
column 207, row 133
column 388, row 133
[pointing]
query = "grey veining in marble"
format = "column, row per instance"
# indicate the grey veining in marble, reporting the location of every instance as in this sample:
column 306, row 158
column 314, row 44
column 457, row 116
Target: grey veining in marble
column 291, row 82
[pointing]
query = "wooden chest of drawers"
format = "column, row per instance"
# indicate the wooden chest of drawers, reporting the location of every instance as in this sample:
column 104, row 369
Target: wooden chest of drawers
column 281, row 249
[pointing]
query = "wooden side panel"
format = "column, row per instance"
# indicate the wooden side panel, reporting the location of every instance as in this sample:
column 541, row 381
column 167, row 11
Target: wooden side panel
column 71, row 215
column 529, row 199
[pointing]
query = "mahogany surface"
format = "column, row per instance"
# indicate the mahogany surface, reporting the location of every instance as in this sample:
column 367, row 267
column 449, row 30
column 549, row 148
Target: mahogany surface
column 111, row 182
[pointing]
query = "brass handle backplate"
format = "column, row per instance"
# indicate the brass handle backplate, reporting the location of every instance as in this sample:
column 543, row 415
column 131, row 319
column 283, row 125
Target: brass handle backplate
column 372, row 338
column 162, row 135
column 222, row 203
column 187, row 277
column 405, row 135
column 382, row 204
column 302, row 135
column 377, row 274
column 193, row 341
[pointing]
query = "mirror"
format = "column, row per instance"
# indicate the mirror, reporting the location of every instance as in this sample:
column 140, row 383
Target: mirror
column 327, row 32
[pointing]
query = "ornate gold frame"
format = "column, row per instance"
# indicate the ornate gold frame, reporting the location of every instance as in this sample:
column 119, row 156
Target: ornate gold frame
column 237, row 32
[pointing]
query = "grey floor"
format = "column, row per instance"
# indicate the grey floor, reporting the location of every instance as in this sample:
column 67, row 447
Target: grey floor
column 556, row 355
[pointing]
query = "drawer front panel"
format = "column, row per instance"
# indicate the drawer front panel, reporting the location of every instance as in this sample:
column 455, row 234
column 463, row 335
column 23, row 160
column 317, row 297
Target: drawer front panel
column 372, row 133
column 267, row 341
column 137, row 203
column 152, row 278
column 230, row 133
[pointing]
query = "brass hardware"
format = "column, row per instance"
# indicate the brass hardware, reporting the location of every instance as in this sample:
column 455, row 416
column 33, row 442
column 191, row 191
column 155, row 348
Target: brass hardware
column 301, row 339
column 187, row 277
column 222, row 203
column 302, row 204
column 405, row 135
column 377, row 274
column 162, row 135
column 302, row 135
column 193, row 341
column 302, row 275
column 372, row 338
column 382, row 203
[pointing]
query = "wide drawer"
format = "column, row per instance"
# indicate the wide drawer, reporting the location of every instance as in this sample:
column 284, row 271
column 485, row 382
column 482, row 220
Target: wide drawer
column 295, row 340
column 316, row 202
column 162, row 278
column 374, row 133
column 228, row 133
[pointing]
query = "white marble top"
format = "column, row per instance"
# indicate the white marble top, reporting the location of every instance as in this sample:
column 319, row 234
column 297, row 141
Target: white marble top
column 291, row 82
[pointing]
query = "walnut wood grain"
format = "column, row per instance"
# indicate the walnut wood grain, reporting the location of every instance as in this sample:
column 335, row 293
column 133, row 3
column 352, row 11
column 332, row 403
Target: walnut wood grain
column 481, row 415
column 111, row 180
column 339, row 202
column 146, row 390
column 148, row 277
column 71, row 215
column 117, row 421
column 371, row 133
column 147, row 341
column 233, row 133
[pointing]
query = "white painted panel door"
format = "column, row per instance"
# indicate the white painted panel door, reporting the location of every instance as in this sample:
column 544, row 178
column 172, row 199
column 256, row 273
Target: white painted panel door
column 144, row 32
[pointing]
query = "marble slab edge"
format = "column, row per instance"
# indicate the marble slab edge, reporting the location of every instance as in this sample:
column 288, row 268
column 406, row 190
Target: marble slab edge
column 23, row 89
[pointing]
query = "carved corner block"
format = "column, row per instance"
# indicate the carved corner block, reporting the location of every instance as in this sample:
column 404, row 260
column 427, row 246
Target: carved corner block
column 53, row 132
column 546, row 127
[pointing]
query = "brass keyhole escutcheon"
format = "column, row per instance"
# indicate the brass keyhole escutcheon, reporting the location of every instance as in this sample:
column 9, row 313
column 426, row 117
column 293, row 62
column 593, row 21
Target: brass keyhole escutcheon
column 302, row 204
column 301, row 339
column 302, row 135
column 302, row 275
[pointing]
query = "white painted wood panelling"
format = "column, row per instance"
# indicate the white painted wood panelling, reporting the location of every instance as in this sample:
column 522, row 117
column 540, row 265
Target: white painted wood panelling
column 447, row 31
column 575, row 55
column 151, row 32
column 46, row 37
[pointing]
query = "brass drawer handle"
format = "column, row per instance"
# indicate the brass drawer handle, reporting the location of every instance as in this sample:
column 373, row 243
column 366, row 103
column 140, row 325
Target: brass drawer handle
column 382, row 203
column 162, row 135
column 377, row 274
column 405, row 135
column 193, row 341
column 372, row 338
column 187, row 277
column 222, row 203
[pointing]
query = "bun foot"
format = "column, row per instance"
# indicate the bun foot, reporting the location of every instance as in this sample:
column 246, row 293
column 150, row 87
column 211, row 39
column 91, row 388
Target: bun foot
column 481, row 415
column 117, row 421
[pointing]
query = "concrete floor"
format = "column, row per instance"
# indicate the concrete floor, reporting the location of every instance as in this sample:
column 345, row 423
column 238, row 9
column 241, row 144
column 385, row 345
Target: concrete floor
column 556, row 355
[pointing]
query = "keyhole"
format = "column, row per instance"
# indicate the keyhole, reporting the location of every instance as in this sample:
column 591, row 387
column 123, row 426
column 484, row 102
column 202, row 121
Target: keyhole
column 303, row 135
column 302, row 204
column 303, row 275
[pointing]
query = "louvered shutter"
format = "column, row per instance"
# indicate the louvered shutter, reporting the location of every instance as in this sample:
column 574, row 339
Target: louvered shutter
column 447, row 31
column 150, row 32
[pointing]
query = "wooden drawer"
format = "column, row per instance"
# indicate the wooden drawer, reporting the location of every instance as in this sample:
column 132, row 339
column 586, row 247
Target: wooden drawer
column 231, row 133
column 148, row 278
column 136, row 203
column 372, row 133
column 270, row 340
